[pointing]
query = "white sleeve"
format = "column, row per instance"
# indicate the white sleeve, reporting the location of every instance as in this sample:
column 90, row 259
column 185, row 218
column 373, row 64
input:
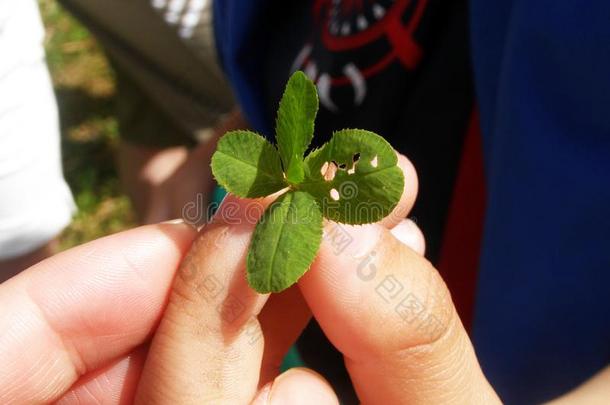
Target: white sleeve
column 35, row 201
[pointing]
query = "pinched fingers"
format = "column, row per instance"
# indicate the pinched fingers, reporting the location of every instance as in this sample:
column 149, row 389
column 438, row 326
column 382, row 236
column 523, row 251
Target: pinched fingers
column 209, row 345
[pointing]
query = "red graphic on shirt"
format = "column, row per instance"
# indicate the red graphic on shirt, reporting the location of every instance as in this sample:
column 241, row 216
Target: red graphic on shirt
column 355, row 40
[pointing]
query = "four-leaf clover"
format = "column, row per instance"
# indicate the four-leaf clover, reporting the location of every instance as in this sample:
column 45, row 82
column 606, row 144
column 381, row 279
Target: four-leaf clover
column 353, row 179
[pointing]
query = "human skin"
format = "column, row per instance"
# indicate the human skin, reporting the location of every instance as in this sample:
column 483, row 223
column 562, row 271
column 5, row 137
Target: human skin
column 134, row 318
column 161, row 182
column 380, row 349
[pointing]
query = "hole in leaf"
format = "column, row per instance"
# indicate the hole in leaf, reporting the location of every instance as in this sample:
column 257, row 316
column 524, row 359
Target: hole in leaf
column 328, row 170
column 334, row 194
column 375, row 162
column 355, row 160
column 324, row 168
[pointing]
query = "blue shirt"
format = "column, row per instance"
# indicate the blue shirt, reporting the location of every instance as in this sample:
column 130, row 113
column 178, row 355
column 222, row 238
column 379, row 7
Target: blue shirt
column 542, row 77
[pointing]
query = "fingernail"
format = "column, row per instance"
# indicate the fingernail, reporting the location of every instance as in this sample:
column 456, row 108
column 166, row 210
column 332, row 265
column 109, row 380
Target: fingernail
column 353, row 240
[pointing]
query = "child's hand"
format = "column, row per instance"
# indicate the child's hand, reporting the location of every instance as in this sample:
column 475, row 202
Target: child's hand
column 76, row 327
column 377, row 299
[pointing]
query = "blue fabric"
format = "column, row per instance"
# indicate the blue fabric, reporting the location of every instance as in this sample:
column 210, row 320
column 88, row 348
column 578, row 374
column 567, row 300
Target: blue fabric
column 542, row 71
column 239, row 39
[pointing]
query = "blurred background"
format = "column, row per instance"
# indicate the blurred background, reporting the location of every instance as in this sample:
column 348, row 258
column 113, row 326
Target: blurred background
column 543, row 99
column 85, row 88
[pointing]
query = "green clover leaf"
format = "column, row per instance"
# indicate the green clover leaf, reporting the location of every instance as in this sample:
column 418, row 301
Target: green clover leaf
column 294, row 124
column 354, row 179
column 285, row 242
column 247, row 165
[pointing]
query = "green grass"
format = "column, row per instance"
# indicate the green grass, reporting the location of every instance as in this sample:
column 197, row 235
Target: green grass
column 85, row 89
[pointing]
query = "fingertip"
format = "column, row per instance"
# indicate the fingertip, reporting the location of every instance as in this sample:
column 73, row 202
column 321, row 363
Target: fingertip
column 409, row 193
column 408, row 170
column 180, row 232
column 298, row 386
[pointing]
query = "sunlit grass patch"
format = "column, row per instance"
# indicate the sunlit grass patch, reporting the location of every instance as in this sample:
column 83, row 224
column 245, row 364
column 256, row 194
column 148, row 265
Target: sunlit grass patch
column 85, row 89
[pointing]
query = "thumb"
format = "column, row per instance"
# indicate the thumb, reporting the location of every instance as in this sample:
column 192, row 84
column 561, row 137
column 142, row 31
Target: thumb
column 389, row 312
